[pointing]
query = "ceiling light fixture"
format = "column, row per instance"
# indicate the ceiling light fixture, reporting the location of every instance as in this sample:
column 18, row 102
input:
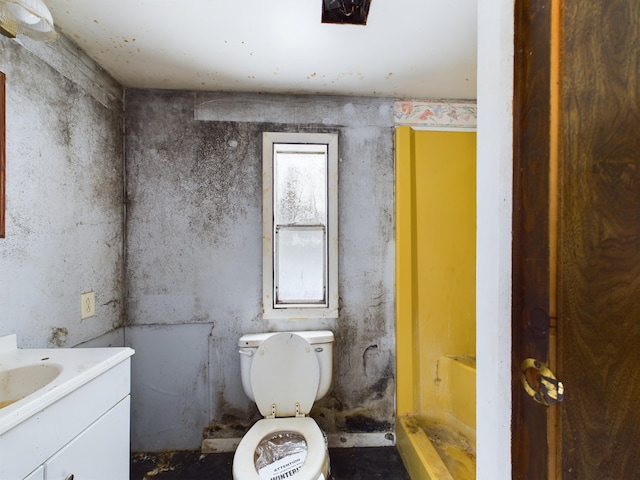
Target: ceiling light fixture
column 30, row 18
column 353, row 12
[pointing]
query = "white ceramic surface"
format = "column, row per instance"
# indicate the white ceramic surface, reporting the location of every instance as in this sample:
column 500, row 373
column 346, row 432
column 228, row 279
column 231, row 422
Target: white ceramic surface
column 76, row 366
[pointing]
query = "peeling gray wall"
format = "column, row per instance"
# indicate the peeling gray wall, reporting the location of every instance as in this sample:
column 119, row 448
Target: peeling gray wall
column 194, row 249
column 64, row 230
column 194, row 223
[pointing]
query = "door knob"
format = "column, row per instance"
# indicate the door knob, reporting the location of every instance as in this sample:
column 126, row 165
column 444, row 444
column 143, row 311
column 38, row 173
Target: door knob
column 540, row 383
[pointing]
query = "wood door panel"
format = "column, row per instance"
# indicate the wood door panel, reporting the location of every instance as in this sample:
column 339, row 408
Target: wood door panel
column 599, row 240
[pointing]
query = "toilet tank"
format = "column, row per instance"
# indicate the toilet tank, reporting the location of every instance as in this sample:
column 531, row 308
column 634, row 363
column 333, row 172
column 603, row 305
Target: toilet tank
column 321, row 341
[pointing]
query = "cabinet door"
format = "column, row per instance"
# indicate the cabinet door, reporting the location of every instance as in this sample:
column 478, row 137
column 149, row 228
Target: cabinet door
column 101, row 452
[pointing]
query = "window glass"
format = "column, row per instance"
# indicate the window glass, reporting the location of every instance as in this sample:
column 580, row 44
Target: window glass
column 300, row 265
column 300, row 184
column 300, row 234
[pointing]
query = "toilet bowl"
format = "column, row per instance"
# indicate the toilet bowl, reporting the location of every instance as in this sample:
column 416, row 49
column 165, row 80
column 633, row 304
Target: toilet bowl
column 284, row 373
column 316, row 462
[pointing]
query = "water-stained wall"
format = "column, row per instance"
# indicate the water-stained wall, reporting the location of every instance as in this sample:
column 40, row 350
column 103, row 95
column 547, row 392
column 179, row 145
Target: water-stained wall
column 194, row 266
column 64, row 184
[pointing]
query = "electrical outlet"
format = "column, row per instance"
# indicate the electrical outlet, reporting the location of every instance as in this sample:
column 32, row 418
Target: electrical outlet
column 87, row 305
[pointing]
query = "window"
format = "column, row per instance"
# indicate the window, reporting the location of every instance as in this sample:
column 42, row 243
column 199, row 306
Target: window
column 300, row 225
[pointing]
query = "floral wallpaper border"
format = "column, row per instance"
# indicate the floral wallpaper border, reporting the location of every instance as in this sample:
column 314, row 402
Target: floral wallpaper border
column 436, row 113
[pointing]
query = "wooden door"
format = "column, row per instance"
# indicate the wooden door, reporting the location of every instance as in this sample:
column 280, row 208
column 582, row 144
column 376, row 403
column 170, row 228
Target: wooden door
column 576, row 284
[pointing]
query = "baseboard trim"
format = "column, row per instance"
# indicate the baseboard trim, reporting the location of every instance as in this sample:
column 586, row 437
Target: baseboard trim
column 342, row 440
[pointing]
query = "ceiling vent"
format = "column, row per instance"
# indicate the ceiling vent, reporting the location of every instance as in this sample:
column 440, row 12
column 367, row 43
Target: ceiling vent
column 30, row 18
column 351, row 12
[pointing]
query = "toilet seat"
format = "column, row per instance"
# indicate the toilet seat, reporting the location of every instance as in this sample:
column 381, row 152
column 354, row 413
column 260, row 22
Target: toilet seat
column 312, row 468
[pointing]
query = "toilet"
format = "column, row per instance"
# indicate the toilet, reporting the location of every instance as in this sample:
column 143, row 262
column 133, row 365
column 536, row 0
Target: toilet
column 284, row 373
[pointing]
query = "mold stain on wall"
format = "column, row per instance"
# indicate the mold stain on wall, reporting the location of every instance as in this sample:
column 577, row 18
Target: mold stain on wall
column 65, row 182
column 227, row 176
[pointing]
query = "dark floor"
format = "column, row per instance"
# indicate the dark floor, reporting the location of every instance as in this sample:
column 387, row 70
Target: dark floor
column 346, row 464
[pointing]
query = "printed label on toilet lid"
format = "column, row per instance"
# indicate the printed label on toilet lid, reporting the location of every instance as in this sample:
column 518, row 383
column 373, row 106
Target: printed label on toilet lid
column 284, row 468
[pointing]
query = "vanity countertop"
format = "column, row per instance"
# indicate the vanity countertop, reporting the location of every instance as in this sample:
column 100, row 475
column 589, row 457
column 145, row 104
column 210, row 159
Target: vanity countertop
column 77, row 366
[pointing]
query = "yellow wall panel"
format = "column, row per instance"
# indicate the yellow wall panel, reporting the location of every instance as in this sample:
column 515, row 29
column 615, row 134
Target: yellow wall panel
column 406, row 298
column 435, row 262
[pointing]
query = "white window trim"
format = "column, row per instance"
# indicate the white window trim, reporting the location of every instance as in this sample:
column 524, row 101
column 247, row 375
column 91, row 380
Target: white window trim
column 292, row 312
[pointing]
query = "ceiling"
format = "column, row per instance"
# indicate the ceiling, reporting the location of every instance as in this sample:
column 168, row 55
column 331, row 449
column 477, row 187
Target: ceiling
column 408, row 49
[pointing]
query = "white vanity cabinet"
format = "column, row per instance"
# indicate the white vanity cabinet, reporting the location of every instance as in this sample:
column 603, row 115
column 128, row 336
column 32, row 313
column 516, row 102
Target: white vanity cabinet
column 83, row 435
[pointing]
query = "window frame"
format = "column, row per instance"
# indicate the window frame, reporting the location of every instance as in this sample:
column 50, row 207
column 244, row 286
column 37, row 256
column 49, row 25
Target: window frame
column 298, row 311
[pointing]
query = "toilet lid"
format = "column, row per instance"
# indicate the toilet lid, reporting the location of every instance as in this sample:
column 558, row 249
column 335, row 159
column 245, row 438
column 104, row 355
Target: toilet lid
column 285, row 372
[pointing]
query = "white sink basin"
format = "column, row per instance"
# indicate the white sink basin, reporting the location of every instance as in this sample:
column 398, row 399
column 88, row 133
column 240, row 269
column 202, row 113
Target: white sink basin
column 17, row 383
